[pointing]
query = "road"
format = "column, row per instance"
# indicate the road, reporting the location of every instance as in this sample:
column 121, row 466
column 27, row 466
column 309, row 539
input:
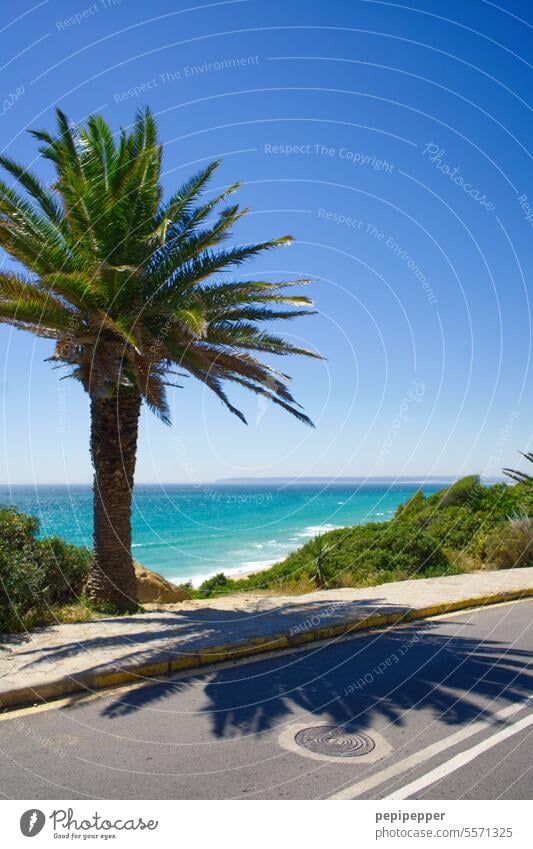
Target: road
column 445, row 702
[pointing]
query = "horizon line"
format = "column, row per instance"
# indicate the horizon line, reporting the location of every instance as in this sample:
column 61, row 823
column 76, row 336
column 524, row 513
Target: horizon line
column 273, row 478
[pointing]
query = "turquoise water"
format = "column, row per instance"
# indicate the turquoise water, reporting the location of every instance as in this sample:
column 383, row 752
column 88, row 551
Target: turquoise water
column 191, row 532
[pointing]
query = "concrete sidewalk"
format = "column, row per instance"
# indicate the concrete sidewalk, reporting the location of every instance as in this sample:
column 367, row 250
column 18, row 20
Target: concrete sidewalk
column 64, row 659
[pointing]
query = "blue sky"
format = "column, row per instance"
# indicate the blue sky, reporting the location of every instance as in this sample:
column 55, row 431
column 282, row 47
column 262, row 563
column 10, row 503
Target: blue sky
column 391, row 141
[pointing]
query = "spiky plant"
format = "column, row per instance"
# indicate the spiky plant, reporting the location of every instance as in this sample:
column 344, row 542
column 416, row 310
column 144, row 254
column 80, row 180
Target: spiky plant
column 521, row 477
column 132, row 290
column 319, row 551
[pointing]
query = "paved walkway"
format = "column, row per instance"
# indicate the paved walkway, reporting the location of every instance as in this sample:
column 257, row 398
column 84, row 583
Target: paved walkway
column 63, row 659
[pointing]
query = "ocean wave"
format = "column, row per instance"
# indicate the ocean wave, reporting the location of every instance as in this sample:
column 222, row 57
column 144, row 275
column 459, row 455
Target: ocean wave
column 246, row 566
column 316, row 530
column 257, row 565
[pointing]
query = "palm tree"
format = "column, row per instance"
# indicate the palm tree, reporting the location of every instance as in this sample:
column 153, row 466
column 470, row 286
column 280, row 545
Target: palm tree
column 131, row 290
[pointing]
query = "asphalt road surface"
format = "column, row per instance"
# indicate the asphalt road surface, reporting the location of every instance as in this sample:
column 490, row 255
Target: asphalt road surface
column 446, row 704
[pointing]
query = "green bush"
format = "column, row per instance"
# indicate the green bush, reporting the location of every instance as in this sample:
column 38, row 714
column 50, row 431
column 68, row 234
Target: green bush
column 17, row 529
column 214, row 586
column 467, row 490
column 412, row 506
column 23, row 591
column 404, row 547
column 455, row 527
column 35, row 574
column 65, row 566
column 502, row 501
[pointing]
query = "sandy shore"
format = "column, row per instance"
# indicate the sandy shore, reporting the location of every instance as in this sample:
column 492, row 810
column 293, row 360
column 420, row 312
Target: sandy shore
column 234, row 575
column 238, row 576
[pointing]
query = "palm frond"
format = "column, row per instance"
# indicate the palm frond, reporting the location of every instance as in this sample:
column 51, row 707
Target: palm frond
column 188, row 274
column 38, row 192
column 521, row 477
column 181, row 203
column 76, row 288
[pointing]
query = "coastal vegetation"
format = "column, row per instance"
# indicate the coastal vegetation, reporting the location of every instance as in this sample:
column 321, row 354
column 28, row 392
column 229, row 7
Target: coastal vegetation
column 461, row 528
column 133, row 291
column 41, row 580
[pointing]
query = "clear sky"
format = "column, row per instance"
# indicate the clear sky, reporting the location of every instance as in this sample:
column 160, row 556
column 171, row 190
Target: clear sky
column 392, row 141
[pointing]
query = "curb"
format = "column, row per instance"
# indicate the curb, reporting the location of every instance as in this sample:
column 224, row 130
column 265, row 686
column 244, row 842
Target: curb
column 135, row 674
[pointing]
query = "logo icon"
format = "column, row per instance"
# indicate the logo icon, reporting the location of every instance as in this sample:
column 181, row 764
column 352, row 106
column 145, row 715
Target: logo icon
column 32, row 822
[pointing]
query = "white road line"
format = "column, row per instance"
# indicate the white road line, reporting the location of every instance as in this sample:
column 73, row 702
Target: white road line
column 460, row 760
column 418, row 758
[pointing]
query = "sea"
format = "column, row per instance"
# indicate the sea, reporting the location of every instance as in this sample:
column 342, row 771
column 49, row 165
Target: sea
column 190, row 532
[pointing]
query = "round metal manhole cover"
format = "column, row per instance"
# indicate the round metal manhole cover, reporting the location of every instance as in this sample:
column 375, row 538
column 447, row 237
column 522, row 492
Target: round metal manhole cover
column 334, row 742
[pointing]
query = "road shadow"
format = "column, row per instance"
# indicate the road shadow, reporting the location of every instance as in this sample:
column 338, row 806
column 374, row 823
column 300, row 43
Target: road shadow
column 354, row 684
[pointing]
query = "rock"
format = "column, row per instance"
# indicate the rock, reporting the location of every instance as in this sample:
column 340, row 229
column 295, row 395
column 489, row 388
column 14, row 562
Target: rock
column 152, row 587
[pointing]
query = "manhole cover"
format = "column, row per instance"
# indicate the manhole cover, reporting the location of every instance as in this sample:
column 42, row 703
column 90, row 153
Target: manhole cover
column 335, row 742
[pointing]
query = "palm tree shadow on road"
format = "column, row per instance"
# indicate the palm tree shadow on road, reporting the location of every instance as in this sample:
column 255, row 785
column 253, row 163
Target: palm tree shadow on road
column 359, row 684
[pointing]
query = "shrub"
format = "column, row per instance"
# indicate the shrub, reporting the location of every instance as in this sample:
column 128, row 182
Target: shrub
column 412, row 506
column 214, row 586
column 23, row 591
column 406, row 548
column 17, row 529
column 468, row 490
column 511, row 545
column 35, row 574
column 501, row 501
column 454, row 527
column 65, row 566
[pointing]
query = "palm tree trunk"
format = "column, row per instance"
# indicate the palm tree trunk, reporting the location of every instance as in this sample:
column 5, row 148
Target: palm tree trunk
column 114, row 430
